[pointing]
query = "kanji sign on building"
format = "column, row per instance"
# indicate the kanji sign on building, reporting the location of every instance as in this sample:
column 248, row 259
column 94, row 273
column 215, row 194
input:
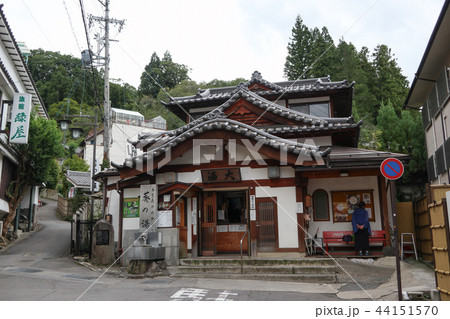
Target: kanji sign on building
column 20, row 118
column 148, row 208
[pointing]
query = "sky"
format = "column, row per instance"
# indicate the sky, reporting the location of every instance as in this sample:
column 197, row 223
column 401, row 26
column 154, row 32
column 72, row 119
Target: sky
column 223, row 39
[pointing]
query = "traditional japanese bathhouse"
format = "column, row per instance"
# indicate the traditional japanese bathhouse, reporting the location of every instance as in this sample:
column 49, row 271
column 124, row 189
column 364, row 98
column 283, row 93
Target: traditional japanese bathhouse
column 261, row 164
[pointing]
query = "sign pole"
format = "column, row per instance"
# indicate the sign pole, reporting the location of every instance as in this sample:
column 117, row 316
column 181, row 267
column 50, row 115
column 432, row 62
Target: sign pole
column 396, row 249
column 392, row 169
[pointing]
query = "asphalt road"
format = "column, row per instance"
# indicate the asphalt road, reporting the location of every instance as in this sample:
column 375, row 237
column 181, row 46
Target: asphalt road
column 39, row 267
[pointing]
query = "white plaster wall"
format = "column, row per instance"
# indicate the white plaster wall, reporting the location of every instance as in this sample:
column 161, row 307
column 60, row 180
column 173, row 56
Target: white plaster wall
column 343, row 184
column 287, row 217
column 190, row 177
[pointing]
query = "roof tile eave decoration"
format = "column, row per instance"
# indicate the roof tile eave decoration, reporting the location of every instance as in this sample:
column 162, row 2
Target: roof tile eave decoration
column 21, row 64
column 220, row 122
column 302, row 85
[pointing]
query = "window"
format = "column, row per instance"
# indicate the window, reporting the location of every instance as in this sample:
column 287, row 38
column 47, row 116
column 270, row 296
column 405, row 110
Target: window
column 320, row 205
column 321, row 109
column 231, row 208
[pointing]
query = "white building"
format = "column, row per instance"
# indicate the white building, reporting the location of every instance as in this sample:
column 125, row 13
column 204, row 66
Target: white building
column 126, row 125
column 14, row 78
column 430, row 92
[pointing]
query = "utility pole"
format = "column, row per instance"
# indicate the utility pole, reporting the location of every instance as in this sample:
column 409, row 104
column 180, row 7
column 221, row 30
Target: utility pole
column 107, row 104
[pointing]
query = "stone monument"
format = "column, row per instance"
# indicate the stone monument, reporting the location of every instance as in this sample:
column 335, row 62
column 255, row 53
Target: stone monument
column 103, row 243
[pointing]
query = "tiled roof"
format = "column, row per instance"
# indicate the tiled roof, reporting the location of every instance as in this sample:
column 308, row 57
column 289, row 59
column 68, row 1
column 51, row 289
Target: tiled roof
column 311, row 123
column 106, row 173
column 342, row 157
column 216, row 120
column 303, row 85
column 79, row 179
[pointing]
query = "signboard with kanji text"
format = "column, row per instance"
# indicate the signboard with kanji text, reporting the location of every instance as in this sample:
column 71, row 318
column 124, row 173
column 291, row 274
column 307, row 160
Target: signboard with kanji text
column 148, row 208
column 20, row 118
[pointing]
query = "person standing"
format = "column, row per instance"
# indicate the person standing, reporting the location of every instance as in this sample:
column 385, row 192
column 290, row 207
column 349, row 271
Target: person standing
column 361, row 229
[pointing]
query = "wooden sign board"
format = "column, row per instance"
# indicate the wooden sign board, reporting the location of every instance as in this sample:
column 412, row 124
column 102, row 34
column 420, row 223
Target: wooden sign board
column 221, row 175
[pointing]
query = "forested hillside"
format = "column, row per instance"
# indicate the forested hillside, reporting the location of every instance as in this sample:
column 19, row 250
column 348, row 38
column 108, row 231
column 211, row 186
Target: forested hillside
column 379, row 93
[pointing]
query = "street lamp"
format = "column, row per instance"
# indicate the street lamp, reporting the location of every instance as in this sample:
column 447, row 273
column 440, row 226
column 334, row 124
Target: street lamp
column 76, row 132
column 64, row 123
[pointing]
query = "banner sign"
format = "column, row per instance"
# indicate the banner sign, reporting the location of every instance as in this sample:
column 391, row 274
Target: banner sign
column 20, row 118
column 148, row 208
column 131, row 207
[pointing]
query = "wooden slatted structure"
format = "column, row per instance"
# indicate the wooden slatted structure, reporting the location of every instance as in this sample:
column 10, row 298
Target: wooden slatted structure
column 422, row 228
column 440, row 234
column 208, row 224
column 266, row 223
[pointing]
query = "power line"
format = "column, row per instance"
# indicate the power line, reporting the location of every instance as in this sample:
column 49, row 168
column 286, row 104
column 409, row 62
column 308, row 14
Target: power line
column 71, row 25
column 37, row 23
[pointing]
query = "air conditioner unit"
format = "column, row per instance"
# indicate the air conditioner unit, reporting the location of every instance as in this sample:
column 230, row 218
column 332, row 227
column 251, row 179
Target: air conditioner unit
column 170, row 177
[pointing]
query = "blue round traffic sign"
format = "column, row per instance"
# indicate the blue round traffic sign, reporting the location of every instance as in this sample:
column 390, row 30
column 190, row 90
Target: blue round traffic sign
column 392, row 168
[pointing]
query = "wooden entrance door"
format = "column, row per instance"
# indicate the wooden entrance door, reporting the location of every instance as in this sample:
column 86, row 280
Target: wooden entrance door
column 208, row 224
column 266, row 224
column 181, row 224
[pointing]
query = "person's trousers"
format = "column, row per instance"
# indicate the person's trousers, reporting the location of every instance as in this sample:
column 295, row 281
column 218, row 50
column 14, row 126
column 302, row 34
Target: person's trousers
column 362, row 240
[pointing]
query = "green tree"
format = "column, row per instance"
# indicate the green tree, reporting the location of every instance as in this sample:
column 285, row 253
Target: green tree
column 53, row 177
column 389, row 84
column 310, row 52
column 298, row 60
column 161, row 73
column 220, row 83
column 404, row 134
column 35, row 158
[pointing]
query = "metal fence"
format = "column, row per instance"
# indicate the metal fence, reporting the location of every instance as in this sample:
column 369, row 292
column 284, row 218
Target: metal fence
column 81, row 236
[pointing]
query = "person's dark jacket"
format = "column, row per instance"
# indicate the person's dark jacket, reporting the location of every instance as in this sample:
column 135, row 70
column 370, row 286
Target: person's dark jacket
column 360, row 217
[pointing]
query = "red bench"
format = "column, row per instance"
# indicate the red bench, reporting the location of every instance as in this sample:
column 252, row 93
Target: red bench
column 335, row 237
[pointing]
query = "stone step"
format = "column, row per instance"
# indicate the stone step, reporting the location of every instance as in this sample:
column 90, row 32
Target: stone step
column 264, row 269
column 304, row 278
column 256, row 262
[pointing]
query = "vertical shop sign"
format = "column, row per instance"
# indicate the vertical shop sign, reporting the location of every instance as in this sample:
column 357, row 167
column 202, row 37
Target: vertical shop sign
column 148, row 208
column 20, row 118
